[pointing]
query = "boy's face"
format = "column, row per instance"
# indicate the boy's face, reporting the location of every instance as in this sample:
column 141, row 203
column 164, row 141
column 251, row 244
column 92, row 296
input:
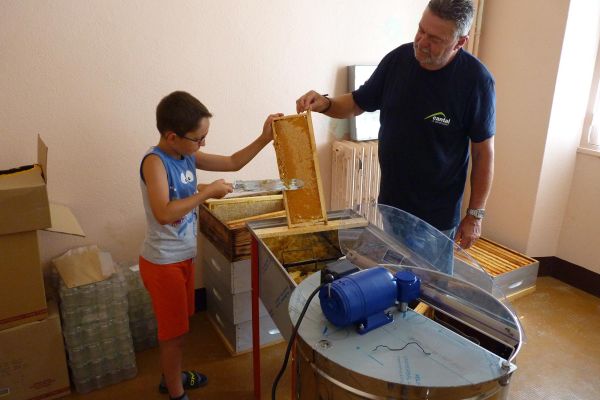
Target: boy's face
column 192, row 140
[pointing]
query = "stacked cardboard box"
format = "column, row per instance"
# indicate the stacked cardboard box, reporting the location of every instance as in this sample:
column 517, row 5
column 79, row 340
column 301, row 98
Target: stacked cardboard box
column 25, row 318
column 33, row 364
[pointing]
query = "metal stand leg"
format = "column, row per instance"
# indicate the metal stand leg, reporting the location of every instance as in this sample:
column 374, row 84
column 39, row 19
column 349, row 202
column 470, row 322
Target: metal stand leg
column 255, row 319
column 294, row 371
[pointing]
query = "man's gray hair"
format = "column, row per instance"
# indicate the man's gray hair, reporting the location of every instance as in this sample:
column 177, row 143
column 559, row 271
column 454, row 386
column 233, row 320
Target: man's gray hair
column 459, row 11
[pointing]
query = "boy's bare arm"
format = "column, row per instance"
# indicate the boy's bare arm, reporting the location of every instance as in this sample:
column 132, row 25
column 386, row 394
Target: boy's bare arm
column 168, row 211
column 235, row 162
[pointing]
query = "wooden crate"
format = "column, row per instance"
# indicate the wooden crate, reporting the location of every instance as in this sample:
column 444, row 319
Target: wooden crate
column 511, row 271
column 233, row 241
column 297, row 159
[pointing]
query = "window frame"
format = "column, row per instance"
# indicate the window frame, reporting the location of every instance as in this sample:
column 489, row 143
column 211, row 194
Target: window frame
column 593, row 109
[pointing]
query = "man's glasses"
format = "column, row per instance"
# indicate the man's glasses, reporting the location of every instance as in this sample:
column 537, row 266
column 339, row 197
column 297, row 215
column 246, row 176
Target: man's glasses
column 197, row 141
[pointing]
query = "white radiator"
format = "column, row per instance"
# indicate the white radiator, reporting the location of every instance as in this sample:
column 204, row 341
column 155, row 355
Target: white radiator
column 355, row 177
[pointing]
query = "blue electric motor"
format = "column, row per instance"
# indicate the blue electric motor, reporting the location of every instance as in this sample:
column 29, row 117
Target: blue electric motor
column 362, row 297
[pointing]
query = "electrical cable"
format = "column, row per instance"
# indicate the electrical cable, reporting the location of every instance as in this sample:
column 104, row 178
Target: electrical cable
column 328, row 279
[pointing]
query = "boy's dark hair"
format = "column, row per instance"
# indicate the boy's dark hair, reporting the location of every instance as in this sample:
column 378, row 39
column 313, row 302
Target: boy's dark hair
column 180, row 112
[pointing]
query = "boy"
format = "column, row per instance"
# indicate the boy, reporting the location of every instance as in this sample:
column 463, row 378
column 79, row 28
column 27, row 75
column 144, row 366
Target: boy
column 170, row 195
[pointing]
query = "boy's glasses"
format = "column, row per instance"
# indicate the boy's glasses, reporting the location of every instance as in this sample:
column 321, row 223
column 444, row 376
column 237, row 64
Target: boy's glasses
column 197, row 141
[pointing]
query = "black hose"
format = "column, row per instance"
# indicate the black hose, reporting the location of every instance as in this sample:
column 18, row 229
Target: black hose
column 328, row 279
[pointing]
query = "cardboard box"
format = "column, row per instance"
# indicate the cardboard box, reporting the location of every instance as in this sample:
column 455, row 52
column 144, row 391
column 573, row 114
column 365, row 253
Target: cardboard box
column 33, row 364
column 24, row 204
column 23, row 196
column 24, row 208
column 22, row 295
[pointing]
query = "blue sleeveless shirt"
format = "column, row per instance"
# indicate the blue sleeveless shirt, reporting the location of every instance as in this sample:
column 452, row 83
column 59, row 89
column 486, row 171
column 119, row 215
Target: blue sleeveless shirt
column 167, row 244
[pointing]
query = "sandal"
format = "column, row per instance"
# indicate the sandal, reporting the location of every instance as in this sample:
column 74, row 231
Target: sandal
column 189, row 379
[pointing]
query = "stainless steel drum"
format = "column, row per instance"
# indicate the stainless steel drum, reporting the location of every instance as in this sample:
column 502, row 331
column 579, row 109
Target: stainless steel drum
column 413, row 357
column 464, row 349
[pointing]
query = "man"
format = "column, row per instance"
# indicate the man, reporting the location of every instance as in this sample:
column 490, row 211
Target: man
column 435, row 98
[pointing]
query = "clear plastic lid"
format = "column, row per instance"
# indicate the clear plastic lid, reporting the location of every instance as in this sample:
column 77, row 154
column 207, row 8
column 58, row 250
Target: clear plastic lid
column 451, row 280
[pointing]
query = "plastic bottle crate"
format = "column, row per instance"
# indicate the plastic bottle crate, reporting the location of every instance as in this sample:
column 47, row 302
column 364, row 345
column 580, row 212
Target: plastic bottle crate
column 97, row 333
column 126, row 371
column 142, row 321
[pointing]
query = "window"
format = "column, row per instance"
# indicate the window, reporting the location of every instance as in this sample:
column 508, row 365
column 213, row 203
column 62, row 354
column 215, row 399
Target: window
column 593, row 132
column 591, row 127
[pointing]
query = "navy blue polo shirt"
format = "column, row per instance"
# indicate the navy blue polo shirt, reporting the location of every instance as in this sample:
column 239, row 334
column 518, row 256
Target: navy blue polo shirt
column 427, row 120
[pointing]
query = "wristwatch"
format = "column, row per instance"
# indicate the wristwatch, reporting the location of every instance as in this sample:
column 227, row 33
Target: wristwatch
column 478, row 213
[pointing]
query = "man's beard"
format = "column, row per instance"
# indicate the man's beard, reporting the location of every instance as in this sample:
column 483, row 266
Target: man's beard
column 428, row 59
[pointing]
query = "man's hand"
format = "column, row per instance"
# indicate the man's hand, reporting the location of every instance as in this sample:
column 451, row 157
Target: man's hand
column 312, row 101
column 468, row 231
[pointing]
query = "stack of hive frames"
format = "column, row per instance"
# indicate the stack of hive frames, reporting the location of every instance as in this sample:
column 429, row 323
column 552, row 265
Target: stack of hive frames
column 514, row 273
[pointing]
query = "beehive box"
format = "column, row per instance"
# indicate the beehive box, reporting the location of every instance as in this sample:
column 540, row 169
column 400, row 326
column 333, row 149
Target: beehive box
column 224, row 253
column 514, row 273
column 237, row 338
column 217, row 220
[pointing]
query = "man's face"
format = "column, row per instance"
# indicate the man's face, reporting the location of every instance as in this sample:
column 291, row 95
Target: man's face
column 435, row 42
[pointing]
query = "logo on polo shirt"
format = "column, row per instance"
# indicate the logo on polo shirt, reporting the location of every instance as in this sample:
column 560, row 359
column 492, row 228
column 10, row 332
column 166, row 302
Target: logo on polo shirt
column 438, row 118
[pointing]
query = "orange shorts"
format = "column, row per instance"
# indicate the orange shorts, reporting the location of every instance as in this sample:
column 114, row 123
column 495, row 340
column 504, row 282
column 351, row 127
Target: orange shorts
column 171, row 288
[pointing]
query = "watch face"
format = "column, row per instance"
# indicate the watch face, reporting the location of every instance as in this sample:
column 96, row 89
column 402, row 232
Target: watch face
column 477, row 213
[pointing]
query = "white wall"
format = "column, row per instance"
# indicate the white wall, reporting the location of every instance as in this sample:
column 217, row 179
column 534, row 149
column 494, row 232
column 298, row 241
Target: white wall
column 580, row 236
column 575, row 73
column 520, row 43
column 545, row 197
column 87, row 76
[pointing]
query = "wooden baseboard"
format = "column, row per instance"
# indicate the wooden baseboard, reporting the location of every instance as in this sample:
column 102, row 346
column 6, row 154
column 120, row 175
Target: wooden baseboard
column 570, row 273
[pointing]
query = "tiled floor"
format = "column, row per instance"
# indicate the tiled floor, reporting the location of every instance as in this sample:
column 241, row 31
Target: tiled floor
column 560, row 361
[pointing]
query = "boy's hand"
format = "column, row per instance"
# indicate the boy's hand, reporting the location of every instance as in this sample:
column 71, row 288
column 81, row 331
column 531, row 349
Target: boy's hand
column 217, row 189
column 267, row 132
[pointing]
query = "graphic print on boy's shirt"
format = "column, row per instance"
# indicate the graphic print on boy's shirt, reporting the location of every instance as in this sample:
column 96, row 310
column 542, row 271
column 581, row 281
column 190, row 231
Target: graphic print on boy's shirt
column 181, row 224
